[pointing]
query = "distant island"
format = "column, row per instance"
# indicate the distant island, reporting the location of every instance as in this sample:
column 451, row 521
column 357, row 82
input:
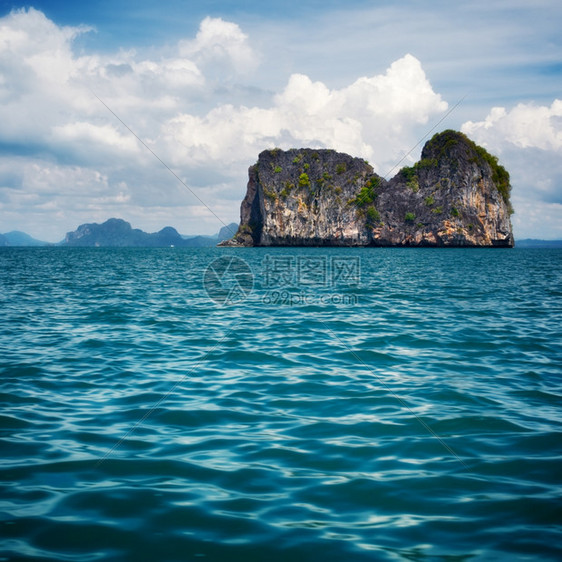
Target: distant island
column 119, row 233
column 534, row 243
column 456, row 195
column 18, row 238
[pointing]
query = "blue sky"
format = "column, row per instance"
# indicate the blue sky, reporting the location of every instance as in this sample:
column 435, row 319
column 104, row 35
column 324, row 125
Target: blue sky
column 208, row 85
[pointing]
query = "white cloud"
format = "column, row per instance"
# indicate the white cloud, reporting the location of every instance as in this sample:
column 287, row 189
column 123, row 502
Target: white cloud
column 220, row 42
column 51, row 105
column 524, row 126
column 45, row 87
column 53, row 179
column 67, row 159
column 528, row 141
column 97, row 135
column 46, row 194
column 374, row 117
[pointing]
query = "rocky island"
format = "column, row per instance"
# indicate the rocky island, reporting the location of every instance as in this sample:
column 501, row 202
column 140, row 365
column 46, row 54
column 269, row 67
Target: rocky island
column 456, row 195
column 119, row 233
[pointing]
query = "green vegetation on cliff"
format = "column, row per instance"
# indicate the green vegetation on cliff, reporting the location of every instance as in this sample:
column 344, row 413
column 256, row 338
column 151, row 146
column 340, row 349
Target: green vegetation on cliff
column 365, row 202
column 368, row 194
column 456, row 195
column 443, row 145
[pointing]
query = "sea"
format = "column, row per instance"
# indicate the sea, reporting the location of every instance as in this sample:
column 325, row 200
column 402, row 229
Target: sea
column 280, row 404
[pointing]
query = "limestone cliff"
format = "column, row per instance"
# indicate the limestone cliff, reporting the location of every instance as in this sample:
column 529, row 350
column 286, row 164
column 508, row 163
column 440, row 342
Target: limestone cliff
column 456, row 195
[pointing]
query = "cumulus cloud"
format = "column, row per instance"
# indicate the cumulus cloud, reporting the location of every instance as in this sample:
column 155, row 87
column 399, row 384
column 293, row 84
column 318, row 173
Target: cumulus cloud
column 50, row 115
column 220, row 42
column 45, row 85
column 374, row 118
column 57, row 130
column 35, row 66
column 524, row 126
column 528, row 141
column 67, row 159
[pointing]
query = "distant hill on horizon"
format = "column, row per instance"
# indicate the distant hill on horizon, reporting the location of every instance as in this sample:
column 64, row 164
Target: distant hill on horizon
column 18, row 238
column 119, row 233
column 535, row 243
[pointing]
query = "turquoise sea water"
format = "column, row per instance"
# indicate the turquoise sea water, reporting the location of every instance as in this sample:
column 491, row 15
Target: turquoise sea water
column 358, row 404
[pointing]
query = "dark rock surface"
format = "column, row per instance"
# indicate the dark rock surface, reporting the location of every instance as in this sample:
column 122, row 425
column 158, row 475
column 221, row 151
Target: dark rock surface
column 456, row 195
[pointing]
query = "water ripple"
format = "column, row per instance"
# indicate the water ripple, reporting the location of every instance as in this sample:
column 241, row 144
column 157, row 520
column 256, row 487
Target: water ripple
column 141, row 421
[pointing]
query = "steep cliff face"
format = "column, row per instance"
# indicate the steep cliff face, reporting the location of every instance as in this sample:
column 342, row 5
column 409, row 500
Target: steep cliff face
column 301, row 197
column 456, row 195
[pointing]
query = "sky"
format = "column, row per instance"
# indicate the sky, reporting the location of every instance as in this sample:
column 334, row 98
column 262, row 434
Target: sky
column 153, row 111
